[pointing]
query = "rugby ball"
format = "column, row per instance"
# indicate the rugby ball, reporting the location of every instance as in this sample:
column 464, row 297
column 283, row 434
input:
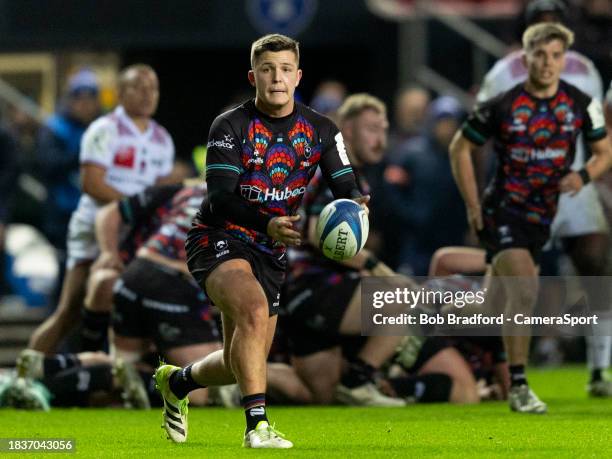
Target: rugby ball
column 342, row 229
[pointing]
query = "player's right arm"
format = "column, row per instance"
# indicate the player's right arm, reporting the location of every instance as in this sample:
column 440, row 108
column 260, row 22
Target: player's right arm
column 127, row 213
column 474, row 133
column 463, row 171
column 223, row 169
column 96, row 156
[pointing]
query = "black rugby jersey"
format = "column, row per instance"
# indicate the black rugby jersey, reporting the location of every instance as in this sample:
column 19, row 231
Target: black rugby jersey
column 159, row 218
column 272, row 160
column 535, row 141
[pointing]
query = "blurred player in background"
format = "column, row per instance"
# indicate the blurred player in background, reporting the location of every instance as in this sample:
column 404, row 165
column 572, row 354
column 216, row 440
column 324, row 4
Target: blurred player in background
column 121, row 154
column 261, row 155
column 580, row 222
column 535, row 127
column 322, row 298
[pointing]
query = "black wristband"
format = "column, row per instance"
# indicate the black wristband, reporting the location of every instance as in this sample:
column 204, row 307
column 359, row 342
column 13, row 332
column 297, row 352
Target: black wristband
column 584, row 175
column 371, row 262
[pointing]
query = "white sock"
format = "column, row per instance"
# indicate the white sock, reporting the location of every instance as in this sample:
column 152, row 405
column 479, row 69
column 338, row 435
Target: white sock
column 600, row 344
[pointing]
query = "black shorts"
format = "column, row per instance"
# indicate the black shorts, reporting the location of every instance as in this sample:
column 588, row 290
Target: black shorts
column 207, row 248
column 313, row 307
column 504, row 231
column 430, row 348
column 158, row 303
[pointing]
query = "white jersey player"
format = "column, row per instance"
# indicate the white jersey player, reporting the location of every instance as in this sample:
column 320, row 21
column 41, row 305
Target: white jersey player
column 132, row 160
column 121, row 154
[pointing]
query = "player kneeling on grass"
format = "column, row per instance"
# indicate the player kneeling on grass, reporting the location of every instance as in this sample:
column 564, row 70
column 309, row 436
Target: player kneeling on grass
column 154, row 299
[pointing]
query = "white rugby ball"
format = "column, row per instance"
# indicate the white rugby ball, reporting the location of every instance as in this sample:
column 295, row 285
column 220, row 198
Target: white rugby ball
column 342, row 229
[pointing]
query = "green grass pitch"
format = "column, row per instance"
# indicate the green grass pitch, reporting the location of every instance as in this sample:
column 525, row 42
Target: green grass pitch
column 575, row 426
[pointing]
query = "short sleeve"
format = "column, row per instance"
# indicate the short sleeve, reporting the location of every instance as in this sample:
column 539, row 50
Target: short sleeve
column 223, row 155
column 96, row 144
column 478, row 127
column 335, row 164
column 594, row 127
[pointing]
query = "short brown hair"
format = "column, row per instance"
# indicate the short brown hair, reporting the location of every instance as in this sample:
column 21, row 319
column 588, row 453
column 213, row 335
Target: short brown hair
column 274, row 42
column 355, row 104
column 545, row 32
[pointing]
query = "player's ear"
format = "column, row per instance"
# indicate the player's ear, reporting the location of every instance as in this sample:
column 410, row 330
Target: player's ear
column 299, row 77
column 251, row 77
column 524, row 58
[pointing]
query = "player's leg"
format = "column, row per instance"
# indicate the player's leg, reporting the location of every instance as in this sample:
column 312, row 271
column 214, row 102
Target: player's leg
column 320, row 372
column 450, row 362
column 285, row 384
column 97, row 308
column 184, row 355
column 589, row 256
column 48, row 335
column 519, row 276
column 357, row 385
column 457, row 260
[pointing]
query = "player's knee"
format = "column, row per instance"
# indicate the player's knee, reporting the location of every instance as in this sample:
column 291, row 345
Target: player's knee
column 252, row 317
column 100, row 290
column 522, row 295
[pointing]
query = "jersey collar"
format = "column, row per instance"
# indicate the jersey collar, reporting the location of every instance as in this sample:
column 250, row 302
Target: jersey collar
column 121, row 114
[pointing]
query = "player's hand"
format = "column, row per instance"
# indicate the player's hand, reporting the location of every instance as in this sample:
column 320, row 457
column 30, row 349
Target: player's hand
column 363, row 202
column 108, row 260
column 571, row 183
column 281, row 229
column 474, row 216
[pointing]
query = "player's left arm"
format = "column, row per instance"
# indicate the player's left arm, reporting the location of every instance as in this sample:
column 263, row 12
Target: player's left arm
column 594, row 130
column 337, row 169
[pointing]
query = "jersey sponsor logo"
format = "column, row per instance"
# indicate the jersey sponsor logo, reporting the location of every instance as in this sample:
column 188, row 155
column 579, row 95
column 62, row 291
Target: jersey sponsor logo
column 341, row 149
column 536, row 154
column 227, row 142
column 258, row 160
column 125, row 157
column 254, row 193
column 517, row 125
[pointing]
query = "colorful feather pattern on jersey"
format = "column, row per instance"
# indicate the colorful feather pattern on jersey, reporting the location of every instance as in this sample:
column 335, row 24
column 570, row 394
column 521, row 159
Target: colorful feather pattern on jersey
column 539, row 138
column 277, row 167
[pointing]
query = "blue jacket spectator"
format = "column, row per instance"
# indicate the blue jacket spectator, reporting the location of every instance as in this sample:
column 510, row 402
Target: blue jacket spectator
column 8, row 177
column 58, row 146
column 422, row 193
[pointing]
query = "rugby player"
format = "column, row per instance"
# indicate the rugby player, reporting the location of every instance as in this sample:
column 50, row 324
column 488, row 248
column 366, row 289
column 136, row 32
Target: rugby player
column 121, row 154
column 261, row 156
column 580, row 223
column 535, row 127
